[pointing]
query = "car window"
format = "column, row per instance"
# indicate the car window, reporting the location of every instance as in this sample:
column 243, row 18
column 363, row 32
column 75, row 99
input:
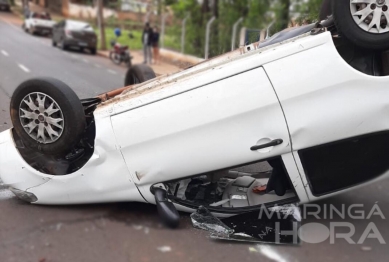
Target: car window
column 76, row 25
column 43, row 16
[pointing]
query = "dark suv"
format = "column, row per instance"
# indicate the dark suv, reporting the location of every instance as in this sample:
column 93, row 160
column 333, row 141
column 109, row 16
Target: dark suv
column 5, row 6
column 70, row 33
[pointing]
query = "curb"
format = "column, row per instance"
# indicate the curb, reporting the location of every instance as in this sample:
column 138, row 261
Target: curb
column 103, row 54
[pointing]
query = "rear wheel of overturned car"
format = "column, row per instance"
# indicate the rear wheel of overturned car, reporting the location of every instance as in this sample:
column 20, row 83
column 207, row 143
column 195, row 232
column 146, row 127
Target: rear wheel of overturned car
column 364, row 23
column 47, row 115
column 138, row 74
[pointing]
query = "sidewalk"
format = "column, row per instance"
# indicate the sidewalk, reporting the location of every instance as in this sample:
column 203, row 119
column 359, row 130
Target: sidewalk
column 160, row 69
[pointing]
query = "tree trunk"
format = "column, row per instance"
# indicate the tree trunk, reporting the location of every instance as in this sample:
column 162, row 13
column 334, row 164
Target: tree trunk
column 284, row 14
column 100, row 17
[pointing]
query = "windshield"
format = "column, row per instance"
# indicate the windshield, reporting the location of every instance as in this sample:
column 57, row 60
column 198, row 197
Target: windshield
column 43, row 16
column 76, row 25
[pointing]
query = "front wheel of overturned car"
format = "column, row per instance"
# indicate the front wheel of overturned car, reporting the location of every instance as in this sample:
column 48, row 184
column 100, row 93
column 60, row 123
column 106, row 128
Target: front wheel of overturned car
column 364, row 23
column 138, row 74
column 47, row 115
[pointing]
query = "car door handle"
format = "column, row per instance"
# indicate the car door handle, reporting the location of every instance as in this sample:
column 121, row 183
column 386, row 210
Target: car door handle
column 275, row 142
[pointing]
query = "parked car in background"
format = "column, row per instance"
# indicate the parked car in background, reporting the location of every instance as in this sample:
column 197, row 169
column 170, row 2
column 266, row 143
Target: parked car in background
column 70, row 33
column 39, row 23
column 4, row 5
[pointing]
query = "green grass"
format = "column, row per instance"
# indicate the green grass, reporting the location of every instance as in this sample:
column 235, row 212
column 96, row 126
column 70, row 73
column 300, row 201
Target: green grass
column 171, row 41
column 134, row 43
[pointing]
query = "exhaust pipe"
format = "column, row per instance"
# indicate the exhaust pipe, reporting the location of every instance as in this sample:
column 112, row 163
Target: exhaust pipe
column 166, row 210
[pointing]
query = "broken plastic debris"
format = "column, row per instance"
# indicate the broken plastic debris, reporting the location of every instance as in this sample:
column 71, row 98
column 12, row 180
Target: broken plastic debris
column 203, row 219
column 256, row 226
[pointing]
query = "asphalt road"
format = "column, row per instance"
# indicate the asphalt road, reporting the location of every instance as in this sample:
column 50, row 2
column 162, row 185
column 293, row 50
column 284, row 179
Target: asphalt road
column 132, row 231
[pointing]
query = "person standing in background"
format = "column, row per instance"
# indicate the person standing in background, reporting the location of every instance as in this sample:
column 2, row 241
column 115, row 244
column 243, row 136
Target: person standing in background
column 155, row 45
column 146, row 41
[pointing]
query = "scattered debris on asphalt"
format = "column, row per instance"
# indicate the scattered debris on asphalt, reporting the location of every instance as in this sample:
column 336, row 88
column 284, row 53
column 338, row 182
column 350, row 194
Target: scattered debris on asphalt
column 165, row 249
column 271, row 225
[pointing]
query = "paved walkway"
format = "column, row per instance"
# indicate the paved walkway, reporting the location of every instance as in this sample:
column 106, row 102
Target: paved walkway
column 161, row 68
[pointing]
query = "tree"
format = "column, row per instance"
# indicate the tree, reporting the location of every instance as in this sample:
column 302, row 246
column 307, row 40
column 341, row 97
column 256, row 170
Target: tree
column 100, row 18
column 308, row 10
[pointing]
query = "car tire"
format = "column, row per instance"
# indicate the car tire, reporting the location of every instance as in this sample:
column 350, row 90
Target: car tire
column 54, row 43
column 138, row 74
column 115, row 58
column 64, row 46
column 93, row 51
column 47, row 115
column 359, row 33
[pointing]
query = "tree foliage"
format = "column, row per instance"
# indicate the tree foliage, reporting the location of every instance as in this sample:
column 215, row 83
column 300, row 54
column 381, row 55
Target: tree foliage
column 257, row 14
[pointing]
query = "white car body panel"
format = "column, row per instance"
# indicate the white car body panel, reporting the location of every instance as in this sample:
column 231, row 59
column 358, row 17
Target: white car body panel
column 324, row 90
column 207, row 118
column 205, row 129
column 105, row 178
column 33, row 22
column 15, row 172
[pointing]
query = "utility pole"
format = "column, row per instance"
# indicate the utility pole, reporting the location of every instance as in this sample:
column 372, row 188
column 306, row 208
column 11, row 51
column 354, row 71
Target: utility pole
column 100, row 19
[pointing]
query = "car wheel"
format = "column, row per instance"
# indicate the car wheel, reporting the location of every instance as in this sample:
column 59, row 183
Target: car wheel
column 364, row 23
column 54, row 43
column 64, row 46
column 138, row 74
column 47, row 115
column 93, row 51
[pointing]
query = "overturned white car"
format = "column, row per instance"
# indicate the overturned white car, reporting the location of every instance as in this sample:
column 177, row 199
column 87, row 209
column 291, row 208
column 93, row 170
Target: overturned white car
column 299, row 117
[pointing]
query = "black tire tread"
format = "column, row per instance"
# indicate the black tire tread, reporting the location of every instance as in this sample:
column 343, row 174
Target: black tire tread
column 71, row 107
column 141, row 71
column 351, row 31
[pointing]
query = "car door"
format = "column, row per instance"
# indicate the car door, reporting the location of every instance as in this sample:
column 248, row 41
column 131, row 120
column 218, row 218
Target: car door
column 207, row 128
column 337, row 117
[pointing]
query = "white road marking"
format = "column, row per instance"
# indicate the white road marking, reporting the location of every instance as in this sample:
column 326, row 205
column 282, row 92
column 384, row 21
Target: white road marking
column 98, row 66
column 86, row 61
column 112, row 72
column 25, row 69
column 270, row 253
column 4, row 53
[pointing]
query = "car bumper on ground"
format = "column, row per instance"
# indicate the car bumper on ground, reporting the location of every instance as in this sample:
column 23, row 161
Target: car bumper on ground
column 14, row 171
column 80, row 43
column 42, row 30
